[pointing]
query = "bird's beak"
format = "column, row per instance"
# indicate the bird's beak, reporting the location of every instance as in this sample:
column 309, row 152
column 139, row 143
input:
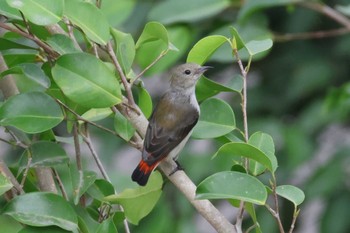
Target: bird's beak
column 202, row 69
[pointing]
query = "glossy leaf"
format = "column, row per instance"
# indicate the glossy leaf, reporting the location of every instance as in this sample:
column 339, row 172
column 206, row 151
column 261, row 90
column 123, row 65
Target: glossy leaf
column 263, row 142
column 89, row 18
column 204, row 48
column 173, row 11
column 232, row 185
column 33, row 75
column 31, row 112
column 107, row 226
column 6, row 44
column 96, row 114
column 138, row 202
column 62, row 44
column 8, row 11
column 44, row 154
column 237, row 149
column 100, row 189
column 206, row 88
column 153, row 41
column 81, row 180
column 254, row 47
column 5, row 184
column 41, row 211
column 124, row 49
column 39, row 12
column 123, row 127
column 153, row 31
column 216, row 119
column 86, row 80
column 291, row 193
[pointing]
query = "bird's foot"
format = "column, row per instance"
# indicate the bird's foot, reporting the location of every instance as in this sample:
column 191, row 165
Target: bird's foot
column 177, row 168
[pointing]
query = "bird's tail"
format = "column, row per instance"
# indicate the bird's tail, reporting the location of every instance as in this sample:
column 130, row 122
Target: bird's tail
column 142, row 172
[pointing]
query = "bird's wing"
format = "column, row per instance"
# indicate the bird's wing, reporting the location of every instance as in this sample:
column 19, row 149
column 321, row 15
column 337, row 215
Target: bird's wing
column 169, row 124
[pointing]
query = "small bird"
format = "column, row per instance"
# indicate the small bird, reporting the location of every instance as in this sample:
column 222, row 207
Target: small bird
column 171, row 122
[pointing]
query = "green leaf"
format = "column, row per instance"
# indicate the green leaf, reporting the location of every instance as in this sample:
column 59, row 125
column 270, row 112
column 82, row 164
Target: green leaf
column 96, row 114
column 81, row 181
column 39, row 12
column 100, row 188
column 173, row 11
column 9, row 225
column 31, row 112
column 107, row 226
column 139, row 202
column 123, row 127
column 6, row 44
column 44, row 154
column 237, row 149
column 252, row 6
column 216, row 119
column 206, row 88
column 50, row 229
column 145, row 102
column 237, row 38
column 254, row 47
column 5, row 184
column 263, row 142
column 232, row 185
column 125, row 49
column 8, row 11
column 86, row 80
column 42, row 209
column 291, row 193
column 153, row 31
column 89, row 18
column 33, row 75
column 204, row 48
column 62, row 44
column 153, row 41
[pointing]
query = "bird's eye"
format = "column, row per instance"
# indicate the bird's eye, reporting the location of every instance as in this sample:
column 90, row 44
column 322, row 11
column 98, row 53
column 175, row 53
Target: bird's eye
column 187, row 72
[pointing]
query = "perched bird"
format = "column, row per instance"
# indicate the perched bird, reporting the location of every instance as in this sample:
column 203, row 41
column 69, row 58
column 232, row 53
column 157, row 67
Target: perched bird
column 171, row 122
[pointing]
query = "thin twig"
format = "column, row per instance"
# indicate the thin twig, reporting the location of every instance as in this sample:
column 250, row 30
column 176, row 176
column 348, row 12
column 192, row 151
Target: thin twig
column 5, row 171
column 276, row 216
column 25, row 173
column 310, row 35
column 87, row 140
column 79, row 118
column 41, row 44
column 327, row 11
column 60, row 184
column 295, row 216
column 162, row 54
column 123, row 78
column 70, row 32
column 77, row 146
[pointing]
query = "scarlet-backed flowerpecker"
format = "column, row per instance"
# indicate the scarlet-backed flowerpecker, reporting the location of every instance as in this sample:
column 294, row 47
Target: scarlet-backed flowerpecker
column 171, row 122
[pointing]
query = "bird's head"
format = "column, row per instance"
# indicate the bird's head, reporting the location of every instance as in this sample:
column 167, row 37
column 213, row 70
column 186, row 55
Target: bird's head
column 186, row 75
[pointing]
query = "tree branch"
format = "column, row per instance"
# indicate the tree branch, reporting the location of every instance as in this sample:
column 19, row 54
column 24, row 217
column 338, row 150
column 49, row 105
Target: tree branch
column 181, row 180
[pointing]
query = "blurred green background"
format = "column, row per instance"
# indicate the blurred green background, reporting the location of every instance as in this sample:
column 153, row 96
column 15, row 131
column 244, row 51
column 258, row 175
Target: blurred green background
column 298, row 92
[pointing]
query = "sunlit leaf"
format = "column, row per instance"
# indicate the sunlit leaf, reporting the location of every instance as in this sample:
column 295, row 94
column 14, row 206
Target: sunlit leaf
column 232, row 185
column 138, row 202
column 5, row 184
column 86, row 80
column 41, row 211
column 89, row 18
column 216, row 119
column 39, row 12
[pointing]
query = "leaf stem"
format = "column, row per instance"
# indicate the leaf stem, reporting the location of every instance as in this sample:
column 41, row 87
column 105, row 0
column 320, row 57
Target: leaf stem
column 123, row 78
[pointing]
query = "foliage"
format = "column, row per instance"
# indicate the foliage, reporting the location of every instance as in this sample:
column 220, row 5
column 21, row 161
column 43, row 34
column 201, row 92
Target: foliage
column 77, row 65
